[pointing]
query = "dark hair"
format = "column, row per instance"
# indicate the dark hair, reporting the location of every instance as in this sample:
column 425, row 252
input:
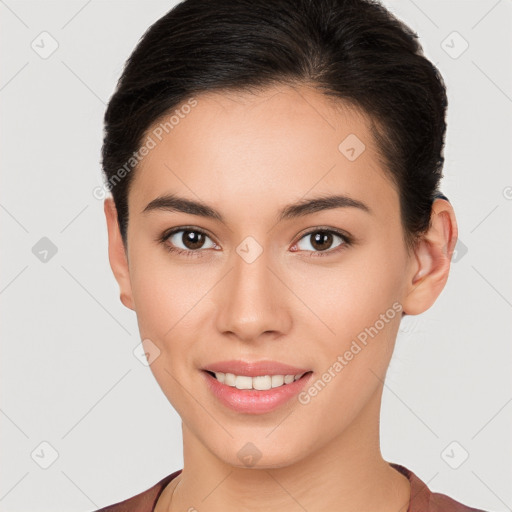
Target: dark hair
column 354, row 50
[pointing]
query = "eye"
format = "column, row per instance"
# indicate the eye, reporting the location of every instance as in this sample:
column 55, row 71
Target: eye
column 186, row 241
column 189, row 241
column 322, row 241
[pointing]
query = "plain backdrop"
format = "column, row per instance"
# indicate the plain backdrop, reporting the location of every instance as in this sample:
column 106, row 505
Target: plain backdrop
column 84, row 423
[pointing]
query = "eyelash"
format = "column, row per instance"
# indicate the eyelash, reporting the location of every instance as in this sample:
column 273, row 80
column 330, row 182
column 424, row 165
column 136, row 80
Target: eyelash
column 347, row 241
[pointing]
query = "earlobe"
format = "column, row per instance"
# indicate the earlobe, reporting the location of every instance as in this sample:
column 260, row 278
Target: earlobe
column 117, row 254
column 127, row 300
column 432, row 254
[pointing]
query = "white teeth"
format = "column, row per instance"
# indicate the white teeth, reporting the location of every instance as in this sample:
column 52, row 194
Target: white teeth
column 242, row 382
column 229, row 379
column 261, row 382
column 288, row 379
column 277, row 380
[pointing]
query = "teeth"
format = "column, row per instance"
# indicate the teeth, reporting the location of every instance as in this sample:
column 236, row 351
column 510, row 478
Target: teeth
column 261, row 382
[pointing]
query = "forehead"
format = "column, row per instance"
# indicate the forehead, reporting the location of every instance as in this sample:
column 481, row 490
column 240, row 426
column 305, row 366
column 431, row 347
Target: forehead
column 264, row 148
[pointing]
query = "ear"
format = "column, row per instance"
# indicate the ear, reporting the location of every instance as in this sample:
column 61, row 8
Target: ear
column 117, row 254
column 432, row 257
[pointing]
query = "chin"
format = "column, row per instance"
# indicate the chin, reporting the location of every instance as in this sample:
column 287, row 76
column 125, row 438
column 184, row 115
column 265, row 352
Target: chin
column 265, row 454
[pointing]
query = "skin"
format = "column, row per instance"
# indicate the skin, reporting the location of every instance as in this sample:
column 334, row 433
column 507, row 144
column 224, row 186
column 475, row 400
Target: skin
column 245, row 153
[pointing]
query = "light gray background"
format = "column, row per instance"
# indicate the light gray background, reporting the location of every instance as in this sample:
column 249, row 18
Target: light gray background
column 68, row 373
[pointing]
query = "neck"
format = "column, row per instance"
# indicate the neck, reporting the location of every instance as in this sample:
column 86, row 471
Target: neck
column 348, row 474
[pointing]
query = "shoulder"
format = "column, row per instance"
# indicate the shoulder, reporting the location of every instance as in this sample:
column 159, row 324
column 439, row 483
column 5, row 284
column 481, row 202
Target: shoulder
column 443, row 503
column 142, row 502
column 424, row 500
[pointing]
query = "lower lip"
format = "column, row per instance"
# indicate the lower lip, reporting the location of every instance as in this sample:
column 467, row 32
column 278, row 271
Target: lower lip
column 254, row 401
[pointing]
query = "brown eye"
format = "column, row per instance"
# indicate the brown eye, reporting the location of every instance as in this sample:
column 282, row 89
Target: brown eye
column 192, row 239
column 187, row 240
column 322, row 240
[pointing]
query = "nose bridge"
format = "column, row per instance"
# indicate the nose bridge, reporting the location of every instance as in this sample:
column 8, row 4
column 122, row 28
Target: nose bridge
column 251, row 275
column 249, row 301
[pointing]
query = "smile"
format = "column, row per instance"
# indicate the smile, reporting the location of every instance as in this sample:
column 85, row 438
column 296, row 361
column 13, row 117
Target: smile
column 254, row 395
column 260, row 382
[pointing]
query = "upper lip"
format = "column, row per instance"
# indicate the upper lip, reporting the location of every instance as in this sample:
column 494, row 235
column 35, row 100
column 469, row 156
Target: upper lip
column 255, row 368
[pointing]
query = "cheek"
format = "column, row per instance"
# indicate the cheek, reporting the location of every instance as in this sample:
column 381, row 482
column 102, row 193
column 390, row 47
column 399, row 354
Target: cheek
column 350, row 295
column 155, row 302
column 164, row 299
column 359, row 305
column 353, row 362
column 164, row 292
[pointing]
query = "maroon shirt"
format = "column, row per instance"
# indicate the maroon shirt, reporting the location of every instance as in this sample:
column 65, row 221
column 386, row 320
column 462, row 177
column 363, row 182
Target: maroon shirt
column 422, row 499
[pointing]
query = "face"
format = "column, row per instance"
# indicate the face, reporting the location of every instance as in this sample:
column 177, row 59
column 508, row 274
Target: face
column 305, row 288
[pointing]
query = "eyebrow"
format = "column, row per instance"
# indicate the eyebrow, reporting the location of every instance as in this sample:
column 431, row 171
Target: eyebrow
column 174, row 203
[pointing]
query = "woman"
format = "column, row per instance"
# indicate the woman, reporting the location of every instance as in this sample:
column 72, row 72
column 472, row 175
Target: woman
column 275, row 169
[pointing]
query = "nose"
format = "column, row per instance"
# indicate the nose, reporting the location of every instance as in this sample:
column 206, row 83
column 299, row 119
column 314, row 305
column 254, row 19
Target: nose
column 252, row 301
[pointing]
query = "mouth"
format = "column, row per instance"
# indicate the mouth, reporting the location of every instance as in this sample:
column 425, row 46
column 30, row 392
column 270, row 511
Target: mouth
column 257, row 394
column 259, row 382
